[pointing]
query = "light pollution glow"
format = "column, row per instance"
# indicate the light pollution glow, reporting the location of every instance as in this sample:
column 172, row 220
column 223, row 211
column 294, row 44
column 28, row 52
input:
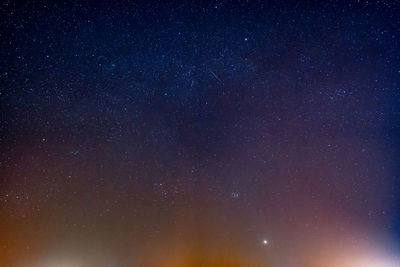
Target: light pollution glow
column 194, row 133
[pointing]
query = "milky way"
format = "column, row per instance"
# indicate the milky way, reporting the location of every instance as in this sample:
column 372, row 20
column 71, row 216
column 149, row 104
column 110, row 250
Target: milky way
column 200, row 133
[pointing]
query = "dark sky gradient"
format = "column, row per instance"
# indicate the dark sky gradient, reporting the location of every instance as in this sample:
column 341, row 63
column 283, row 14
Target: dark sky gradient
column 183, row 134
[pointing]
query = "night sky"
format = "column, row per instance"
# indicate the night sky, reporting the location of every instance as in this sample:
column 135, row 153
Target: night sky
column 200, row 134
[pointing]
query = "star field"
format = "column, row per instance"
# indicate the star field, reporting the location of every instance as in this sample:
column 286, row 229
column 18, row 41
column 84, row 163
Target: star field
column 199, row 133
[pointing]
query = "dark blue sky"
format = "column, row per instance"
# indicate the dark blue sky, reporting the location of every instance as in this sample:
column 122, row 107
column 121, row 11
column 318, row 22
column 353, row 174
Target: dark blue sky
column 155, row 128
